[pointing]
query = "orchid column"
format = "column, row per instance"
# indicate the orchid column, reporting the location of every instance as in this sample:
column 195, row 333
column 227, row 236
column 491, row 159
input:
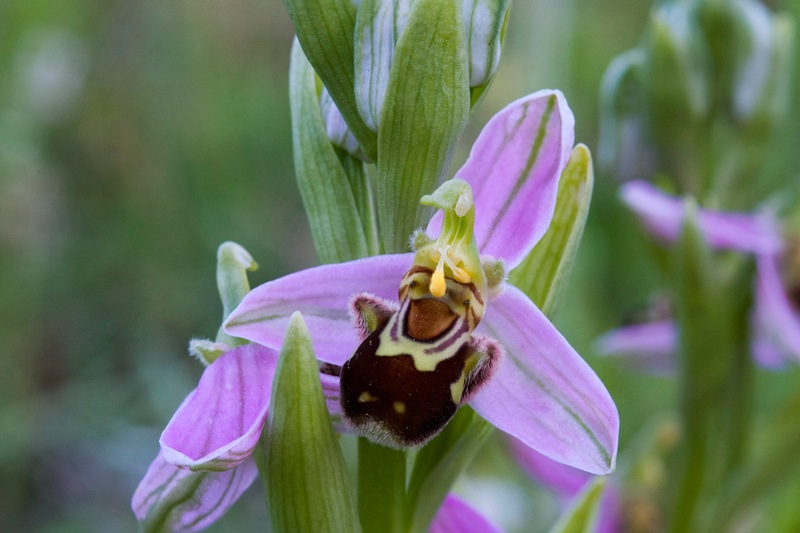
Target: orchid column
column 693, row 108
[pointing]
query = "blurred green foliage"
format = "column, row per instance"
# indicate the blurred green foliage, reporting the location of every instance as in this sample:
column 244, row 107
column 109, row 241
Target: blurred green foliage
column 136, row 137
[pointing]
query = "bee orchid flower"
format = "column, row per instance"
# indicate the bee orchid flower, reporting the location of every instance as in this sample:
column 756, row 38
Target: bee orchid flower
column 434, row 329
column 440, row 327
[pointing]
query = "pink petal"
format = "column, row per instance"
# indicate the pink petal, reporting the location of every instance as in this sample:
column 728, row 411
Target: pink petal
column 322, row 295
column 543, row 393
column 457, row 516
column 514, row 168
column 649, row 347
column 190, row 500
column 219, row 423
column 663, row 215
column 777, row 322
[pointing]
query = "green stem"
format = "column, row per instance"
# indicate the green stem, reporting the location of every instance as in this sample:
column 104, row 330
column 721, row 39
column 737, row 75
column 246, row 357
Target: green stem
column 693, row 477
column 381, row 488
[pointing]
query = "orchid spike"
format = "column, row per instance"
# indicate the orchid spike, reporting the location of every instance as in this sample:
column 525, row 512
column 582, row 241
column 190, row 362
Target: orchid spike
column 518, row 371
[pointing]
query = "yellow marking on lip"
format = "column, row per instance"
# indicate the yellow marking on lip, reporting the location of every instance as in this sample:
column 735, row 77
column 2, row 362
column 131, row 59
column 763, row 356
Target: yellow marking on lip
column 457, row 389
column 399, row 407
column 365, row 397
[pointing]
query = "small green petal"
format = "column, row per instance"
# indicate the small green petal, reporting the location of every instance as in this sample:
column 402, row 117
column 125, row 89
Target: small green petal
column 543, row 274
column 582, row 515
column 233, row 263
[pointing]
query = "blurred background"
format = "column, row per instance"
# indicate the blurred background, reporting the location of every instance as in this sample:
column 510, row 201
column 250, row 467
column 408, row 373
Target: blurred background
column 136, row 137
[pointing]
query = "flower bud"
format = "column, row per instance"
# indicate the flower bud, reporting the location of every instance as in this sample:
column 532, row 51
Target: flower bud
column 336, row 128
column 751, row 50
column 379, row 26
column 675, row 79
column 624, row 149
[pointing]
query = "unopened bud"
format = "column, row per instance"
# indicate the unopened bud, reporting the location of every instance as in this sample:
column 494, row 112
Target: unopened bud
column 752, row 55
column 336, row 128
column 381, row 23
column 676, row 63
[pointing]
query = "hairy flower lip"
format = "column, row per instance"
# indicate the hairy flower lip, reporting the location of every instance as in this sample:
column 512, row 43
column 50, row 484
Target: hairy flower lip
column 543, row 391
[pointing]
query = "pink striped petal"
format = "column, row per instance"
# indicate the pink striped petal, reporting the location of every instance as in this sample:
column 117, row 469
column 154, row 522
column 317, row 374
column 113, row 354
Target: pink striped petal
column 514, row 168
column 457, row 516
column 777, row 322
column 322, row 295
column 543, row 393
column 181, row 500
column 219, row 423
column 663, row 216
column 648, row 347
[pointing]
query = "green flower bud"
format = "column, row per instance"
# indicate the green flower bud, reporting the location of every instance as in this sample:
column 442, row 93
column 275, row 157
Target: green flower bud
column 624, row 149
column 336, row 128
column 751, row 51
column 675, row 79
column 379, row 25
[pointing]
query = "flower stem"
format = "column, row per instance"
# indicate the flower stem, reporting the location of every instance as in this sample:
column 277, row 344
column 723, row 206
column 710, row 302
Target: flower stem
column 381, row 488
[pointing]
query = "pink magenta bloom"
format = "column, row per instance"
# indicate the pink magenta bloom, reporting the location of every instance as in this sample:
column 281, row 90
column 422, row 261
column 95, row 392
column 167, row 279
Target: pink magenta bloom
column 775, row 319
column 542, row 391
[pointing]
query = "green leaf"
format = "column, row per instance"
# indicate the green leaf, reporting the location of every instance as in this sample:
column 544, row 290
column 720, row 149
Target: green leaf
column 426, row 108
column 582, row 514
column 440, row 462
column 329, row 198
column 325, row 29
column 543, row 274
column 307, row 485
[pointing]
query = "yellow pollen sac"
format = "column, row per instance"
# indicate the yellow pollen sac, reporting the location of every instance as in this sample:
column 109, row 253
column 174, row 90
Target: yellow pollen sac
column 461, row 275
column 438, row 286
